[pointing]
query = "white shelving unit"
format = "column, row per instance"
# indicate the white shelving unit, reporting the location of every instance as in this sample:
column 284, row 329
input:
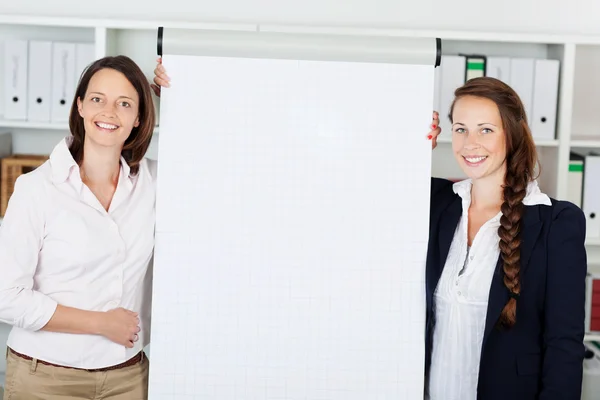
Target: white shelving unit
column 578, row 82
column 137, row 39
column 578, row 100
column 33, row 125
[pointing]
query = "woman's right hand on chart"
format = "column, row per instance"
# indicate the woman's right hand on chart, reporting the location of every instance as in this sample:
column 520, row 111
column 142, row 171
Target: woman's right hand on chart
column 120, row 326
column 160, row 77
column 435, row 129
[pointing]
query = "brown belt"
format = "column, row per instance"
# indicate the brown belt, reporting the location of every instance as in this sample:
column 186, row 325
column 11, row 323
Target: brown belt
column 132, row 361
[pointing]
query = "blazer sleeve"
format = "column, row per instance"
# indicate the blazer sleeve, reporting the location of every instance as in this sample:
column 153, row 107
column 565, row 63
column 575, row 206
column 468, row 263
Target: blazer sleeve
column 565, row 305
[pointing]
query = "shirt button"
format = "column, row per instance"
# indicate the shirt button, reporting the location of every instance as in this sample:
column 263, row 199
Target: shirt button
column 459, row 293
column 472, row 257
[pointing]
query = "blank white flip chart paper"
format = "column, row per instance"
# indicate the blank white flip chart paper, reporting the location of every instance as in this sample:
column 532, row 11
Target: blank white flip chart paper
column 292, row 229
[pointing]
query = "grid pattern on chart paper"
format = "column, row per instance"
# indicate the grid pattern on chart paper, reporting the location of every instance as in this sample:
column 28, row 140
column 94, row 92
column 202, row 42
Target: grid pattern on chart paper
column 290, row 239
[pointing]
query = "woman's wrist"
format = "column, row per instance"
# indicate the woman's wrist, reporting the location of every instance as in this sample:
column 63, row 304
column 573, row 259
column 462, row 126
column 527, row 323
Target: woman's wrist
column 96, row 323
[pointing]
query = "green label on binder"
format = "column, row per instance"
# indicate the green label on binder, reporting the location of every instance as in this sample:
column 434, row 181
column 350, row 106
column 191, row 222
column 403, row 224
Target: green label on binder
column 575, row 167
column 475, row 65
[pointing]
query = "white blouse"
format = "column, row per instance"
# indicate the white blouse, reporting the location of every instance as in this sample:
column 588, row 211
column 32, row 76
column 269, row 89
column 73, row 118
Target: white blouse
column 58, row 245
column 461, row 299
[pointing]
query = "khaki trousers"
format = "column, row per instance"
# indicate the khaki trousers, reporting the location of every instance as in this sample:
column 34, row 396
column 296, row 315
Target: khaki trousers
column 31, row 380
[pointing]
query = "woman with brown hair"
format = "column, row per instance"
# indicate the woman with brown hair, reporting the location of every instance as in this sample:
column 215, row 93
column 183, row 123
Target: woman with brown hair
column 76, row 245
column 506, row 264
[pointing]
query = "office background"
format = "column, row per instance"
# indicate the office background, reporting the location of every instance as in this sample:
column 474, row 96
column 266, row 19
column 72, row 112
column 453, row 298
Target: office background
column 517, row 34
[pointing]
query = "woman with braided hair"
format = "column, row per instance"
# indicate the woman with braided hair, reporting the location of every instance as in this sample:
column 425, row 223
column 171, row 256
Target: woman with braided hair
column 506, row 264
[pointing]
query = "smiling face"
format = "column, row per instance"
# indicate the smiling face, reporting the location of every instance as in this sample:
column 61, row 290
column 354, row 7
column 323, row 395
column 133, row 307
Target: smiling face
column 109, row 108
column 478, row 138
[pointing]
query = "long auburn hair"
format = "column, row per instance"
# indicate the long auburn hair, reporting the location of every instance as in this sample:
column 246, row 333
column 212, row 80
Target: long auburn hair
column 137, row 143
column 521, row 161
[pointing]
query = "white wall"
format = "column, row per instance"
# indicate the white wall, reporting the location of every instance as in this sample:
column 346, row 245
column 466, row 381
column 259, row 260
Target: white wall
column 549, row 16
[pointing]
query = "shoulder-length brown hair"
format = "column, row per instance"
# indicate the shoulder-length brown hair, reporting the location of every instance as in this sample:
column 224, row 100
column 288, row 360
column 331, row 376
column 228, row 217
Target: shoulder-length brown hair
column 137, row 143
column 521, row 161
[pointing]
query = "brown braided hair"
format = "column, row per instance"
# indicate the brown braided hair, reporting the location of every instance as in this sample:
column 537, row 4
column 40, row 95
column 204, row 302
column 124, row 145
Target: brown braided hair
column 521, row 160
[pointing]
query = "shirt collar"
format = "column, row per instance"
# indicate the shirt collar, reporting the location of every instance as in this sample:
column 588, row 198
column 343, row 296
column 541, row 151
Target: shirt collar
column 62, row 161
column 63, row 164
column 533, row 195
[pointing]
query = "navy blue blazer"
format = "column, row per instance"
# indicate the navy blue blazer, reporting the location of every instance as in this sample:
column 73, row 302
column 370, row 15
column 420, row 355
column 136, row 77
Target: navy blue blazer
column 541, row 357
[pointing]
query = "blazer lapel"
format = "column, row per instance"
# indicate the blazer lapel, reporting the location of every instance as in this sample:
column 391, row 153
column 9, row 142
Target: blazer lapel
column 497, row 300
column 498, row 296
column 448, row 224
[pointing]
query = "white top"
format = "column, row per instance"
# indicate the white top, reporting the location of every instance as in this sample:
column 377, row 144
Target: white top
column 59, row 246
column 461, row 299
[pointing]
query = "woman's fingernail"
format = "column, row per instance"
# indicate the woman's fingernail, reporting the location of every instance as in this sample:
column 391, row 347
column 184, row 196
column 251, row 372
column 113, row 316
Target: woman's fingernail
column 434, row 126
column 429, row 137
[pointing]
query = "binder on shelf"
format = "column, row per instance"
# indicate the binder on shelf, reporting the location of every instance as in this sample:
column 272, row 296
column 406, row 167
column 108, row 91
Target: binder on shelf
column 15, row 79
column 84, row 56
column 522, row 72
column 592, row 303
column 452, row 76
column 591, row 195
column 499, row 68
column 63, row 80
column 40, row 78
column 475, row 65
column 545, row 99
column 575, row 179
